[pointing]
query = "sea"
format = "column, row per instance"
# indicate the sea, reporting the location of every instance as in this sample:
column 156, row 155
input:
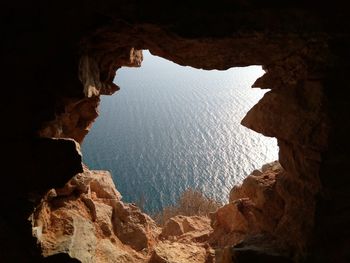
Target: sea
column 170, row 128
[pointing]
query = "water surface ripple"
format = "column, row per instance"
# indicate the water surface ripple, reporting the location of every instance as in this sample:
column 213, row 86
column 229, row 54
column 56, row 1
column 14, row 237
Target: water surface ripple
column 173, row 127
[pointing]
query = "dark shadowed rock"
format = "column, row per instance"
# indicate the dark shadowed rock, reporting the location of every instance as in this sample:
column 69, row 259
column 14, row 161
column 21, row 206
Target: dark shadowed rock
column 59, row 57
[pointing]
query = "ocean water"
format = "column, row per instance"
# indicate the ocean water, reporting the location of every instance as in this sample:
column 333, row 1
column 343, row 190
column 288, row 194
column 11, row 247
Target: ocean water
column 172, row 127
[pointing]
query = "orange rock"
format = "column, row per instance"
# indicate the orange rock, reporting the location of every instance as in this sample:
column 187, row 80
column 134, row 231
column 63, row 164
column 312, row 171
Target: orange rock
column 255, row 207
column 187, row 228
column 87, row 220
column 174, row 252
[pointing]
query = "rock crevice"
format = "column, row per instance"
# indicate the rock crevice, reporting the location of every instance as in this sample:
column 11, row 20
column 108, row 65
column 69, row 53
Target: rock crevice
column 87, row 220
column 60, row 57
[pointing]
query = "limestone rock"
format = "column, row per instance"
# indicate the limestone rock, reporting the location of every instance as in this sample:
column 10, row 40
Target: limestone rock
column 255, row 207
column 260, row 188
column 133, row 227
column 75, row 121
column 189, row 228
column 297, row 42
column 99, row 184
column 87, row 220
column 106, row 252
column 174, row 252
column 230, row 224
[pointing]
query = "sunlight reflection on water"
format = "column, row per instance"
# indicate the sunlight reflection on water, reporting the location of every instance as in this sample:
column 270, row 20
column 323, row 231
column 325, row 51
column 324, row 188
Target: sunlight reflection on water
column 172, row 127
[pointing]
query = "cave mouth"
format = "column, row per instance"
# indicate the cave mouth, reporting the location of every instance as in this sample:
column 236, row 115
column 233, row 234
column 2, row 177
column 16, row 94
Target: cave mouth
column 171, row 128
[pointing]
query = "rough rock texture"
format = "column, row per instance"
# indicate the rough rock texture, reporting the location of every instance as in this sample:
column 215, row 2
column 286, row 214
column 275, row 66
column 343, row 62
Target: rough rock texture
column 87, row 220
column 296, row 109
column 255, row 208
column 184, row 239
column 75, row 120
column 59, row 56
column 174, row 252
column 260, row 189
column 187, row 229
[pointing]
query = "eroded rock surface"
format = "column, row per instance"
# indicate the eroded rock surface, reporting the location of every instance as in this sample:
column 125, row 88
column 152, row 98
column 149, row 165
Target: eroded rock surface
column 187, row 228
column 176, row 252
column 255, row 208
column 59, row 56
column 184, row 239
column 87, row 220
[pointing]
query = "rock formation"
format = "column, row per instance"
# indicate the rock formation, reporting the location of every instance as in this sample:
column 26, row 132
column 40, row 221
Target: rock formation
column 186, row 228
column 175, row 252
column 59, row 57
column 253, row 213
column 87, row 220
column 184, row 239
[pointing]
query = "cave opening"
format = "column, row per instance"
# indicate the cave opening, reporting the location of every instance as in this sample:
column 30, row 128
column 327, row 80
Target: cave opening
column 58, row 68
column 172, row 128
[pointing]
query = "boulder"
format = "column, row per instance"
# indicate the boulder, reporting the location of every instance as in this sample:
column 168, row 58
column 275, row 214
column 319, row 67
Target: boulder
column 194, row 228
column 87, row 220
column 174, row 252
column 255, row 207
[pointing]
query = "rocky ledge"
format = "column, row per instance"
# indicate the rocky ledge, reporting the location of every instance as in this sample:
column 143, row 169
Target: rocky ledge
column 87, row 220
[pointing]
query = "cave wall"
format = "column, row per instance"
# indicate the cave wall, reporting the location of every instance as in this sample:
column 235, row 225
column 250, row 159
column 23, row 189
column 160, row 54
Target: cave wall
column 59, row 57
